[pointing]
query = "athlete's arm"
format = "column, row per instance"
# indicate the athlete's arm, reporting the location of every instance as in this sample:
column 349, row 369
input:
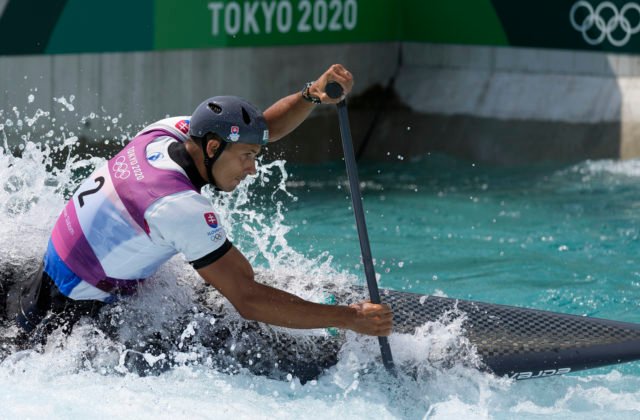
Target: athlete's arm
column 233, row 276
column 288, row 113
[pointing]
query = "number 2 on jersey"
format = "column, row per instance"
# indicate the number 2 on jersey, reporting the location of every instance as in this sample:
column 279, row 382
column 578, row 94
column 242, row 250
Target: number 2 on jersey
column 100, row 181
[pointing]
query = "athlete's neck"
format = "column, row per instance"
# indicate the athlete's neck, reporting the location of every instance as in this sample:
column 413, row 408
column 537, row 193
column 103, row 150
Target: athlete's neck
column 178, row 153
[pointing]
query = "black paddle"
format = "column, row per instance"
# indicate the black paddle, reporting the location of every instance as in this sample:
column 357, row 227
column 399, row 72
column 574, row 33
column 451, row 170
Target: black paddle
column 334, row 90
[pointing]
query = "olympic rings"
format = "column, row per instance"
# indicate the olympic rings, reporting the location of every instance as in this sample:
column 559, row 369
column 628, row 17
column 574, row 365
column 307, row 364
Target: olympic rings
column 606, row 29
column 120, row 168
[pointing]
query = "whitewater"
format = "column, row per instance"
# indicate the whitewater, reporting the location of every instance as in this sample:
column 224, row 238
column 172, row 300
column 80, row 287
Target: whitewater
column 437, row 226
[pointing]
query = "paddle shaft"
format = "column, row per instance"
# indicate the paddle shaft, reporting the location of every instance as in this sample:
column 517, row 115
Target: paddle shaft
column 334, row 90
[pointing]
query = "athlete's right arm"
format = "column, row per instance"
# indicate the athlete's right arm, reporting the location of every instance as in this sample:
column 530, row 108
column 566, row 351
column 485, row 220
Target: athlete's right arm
column 288, row 113
column 233, row 276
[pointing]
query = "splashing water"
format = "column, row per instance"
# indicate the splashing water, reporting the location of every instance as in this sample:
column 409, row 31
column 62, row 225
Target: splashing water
column 85, row 373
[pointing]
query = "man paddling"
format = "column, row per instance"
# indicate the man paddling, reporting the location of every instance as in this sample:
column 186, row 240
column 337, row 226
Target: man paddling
column 144, row 206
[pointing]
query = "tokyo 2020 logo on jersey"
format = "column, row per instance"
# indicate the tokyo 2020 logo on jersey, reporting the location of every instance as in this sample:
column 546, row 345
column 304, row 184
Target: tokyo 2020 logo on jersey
column 211, row 219
column 605, row 21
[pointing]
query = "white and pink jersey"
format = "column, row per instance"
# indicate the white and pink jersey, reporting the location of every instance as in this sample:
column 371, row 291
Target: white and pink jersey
column 129, row 217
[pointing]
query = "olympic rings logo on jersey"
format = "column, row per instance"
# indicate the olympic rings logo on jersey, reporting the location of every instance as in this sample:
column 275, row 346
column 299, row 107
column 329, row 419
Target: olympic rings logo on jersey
column 120, row 168
column 216, row 235
column 604, row 29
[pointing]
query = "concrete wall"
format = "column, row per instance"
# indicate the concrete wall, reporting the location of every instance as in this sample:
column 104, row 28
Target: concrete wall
column 495, row 104
column 138, row 88
column 513, row 105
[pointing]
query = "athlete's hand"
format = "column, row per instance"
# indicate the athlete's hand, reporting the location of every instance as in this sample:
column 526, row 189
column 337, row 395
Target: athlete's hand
column 335, row 73
column 371, row 319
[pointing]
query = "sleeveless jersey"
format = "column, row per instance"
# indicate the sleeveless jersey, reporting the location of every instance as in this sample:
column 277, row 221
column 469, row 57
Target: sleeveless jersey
column 129, row 217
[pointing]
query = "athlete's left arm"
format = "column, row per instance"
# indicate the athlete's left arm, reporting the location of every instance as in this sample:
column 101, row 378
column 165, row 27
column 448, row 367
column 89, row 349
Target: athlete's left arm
column 233, row 276
column 288, row 113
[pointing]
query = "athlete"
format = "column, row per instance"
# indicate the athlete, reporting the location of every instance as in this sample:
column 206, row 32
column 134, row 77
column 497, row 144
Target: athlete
column 144, row 206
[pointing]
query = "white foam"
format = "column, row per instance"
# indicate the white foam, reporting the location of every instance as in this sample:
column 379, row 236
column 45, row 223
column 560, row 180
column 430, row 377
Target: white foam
column 61, row 381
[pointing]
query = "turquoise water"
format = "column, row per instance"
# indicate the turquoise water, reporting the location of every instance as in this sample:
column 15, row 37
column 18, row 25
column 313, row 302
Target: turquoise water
column 555, row 237
column 561, row 237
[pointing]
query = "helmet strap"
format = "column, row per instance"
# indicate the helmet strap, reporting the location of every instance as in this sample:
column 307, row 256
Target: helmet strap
column 209, row 161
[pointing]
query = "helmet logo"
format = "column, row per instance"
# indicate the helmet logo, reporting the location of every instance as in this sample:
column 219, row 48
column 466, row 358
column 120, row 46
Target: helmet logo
column 235, row 133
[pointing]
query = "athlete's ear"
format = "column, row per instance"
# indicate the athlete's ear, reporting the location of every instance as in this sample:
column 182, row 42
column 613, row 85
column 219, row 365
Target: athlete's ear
column 212, row 147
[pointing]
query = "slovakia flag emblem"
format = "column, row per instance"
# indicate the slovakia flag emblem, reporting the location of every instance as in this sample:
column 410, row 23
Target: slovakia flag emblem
column 211, row 219
column 235, row 133
column 183, row 126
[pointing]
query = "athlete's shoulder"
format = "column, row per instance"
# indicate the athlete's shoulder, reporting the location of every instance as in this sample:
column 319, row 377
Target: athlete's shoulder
column 177, row 126
column 197, row 231
column 185, row 203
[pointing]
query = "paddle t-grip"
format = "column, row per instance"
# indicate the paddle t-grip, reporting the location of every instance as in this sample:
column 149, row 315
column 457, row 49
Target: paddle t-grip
column 334, row 90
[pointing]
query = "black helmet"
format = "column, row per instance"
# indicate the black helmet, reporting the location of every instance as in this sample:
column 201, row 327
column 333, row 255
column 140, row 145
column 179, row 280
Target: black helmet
column 232, row 118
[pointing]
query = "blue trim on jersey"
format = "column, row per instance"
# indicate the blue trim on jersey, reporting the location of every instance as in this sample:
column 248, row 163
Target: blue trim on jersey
column 62, row 276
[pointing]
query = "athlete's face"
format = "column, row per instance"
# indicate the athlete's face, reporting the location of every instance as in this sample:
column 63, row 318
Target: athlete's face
column 234, row 164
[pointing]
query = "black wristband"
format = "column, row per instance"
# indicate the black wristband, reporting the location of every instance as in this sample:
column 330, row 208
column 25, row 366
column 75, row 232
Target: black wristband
column 307, row 97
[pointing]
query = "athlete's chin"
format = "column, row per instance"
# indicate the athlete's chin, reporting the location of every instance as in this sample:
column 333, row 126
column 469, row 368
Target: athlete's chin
column 230, row 186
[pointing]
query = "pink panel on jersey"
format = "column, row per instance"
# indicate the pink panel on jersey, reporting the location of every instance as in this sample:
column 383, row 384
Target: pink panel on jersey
column 73, row 248
column 135, row 179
